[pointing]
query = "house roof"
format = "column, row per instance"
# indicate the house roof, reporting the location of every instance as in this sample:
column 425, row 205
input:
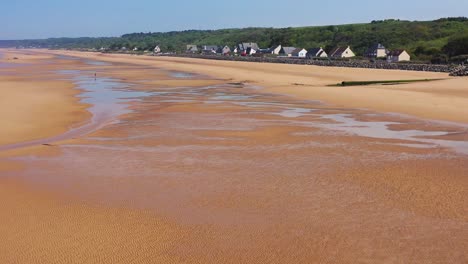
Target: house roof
column 225, row 49
column 192, row 48
column 395, row 52
column 210, row 47
column 297, row 50
column 314, row 51
column 246, row 45
column 265, row 51
column 250, row 49
column 274, row 47
column 338, row 51
column 288, row 50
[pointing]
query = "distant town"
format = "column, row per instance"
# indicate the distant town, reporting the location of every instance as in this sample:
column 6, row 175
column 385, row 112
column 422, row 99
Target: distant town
column 377, row 51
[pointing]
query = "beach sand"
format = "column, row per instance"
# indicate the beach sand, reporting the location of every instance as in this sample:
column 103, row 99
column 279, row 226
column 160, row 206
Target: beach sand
column 203, row 171
column 35, row 103
column 439, row 100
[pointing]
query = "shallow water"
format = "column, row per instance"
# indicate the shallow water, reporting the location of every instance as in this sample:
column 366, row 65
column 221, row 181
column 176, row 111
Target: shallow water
column 321, row 116
column 348, row 124
column 97, row 63
column 107, row 96
column 181, row 75
column 66, row 57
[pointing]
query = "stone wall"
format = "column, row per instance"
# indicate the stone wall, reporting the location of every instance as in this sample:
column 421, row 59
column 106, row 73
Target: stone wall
column 459, row 71
column 331, row 63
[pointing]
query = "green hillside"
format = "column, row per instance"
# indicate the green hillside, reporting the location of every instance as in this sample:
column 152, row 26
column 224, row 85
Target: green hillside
column 423, row 39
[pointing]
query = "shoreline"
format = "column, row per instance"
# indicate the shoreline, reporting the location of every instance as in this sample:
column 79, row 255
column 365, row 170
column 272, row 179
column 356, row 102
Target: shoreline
column 443, row 100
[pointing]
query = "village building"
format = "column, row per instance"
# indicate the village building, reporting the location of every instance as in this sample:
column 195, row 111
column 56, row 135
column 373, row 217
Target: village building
column 398, row 55
column 191, row 49
column 135, row 49
column 210, row 49
column 314, row 53
column 247, row 48
column 157, row 50
column 299, row 53
column 226, row 50
column 250, row 51
column 342, row 52
column 287, row 51
column 376, row 51
column 275, row 50
column 264, row 51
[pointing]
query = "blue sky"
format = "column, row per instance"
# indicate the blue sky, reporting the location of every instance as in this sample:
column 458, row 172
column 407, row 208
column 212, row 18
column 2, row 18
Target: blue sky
column 63, row 18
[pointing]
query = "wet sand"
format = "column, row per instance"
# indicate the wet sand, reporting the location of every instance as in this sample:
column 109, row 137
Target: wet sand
column 200, row 169
column 440, row 100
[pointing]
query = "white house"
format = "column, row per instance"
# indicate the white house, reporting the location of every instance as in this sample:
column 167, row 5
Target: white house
column 135, row 49
column 191, row 49
column 226, row 50
column 376, row 51
column 275, row 50
column 247, row 48
column 342, row 52
column 398, row 55
column 157, row 50
column 287, row 51
column 299, row 53
column 316, row 53
column 210, row 49
column 250, row 51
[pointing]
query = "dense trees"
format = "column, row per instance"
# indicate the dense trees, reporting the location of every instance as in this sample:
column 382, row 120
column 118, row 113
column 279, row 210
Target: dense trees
column 457, row 46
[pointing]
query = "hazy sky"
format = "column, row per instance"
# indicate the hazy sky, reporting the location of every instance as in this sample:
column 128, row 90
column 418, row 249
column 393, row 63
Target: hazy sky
column 63, row 18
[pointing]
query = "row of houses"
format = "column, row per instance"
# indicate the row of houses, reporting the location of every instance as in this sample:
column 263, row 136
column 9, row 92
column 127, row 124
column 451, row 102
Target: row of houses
column 251, row 49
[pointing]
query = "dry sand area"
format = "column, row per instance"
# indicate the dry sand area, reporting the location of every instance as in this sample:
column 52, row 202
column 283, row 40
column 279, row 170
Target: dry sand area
column 228, row 162
column 35, row 103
